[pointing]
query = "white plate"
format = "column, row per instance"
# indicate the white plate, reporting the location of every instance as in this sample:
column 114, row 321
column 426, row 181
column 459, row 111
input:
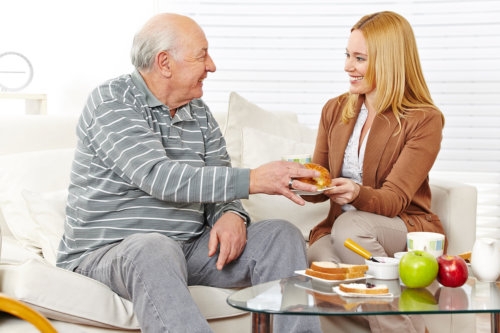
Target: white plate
column 332, row 282
column 299, row 192
column 341, row 293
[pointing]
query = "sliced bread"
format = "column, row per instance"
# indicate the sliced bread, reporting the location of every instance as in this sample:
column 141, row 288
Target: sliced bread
column 354, row 268
column 364, row 288
column 334, row 276
column 334, row 268
column 328, row 267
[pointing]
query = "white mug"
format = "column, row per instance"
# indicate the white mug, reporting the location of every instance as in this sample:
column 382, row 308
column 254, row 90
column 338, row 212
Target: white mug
column 430, row 242
column 299, row 158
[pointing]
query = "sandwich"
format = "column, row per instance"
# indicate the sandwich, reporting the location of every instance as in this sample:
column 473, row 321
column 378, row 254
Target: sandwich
column 364, row 288
column 332, row 271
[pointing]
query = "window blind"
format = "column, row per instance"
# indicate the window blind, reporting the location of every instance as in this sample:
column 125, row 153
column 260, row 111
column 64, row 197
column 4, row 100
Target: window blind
column 289, row 55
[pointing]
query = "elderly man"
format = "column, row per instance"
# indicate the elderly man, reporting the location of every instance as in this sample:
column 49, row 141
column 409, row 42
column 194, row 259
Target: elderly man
column 153, row 203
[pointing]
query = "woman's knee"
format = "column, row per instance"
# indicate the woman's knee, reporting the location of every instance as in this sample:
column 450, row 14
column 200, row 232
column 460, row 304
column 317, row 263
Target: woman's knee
column 351, row 225
column 354, row 225
column 321, row 250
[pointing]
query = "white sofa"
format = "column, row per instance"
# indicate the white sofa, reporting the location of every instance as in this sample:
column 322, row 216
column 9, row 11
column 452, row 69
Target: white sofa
column 35, row 157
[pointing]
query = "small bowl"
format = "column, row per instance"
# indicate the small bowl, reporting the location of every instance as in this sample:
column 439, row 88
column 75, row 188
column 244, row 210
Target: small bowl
column 399, row 255
column 386, row 269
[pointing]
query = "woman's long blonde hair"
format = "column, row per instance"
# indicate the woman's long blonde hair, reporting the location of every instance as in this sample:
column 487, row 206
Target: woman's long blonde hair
column 393, row 66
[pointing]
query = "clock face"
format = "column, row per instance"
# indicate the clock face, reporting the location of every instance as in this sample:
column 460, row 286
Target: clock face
column 16, row 71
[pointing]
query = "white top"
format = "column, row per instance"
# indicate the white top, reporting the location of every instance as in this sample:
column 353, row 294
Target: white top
column 352, row 166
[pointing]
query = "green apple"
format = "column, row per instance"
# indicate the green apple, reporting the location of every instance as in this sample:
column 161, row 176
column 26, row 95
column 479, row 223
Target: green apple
column 417, row 299
column 417, row 269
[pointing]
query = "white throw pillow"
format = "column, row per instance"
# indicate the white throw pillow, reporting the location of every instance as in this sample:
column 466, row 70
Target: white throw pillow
column 18, row 221
column 258, row 148
column 47, row 209
column 40, row 171
column 13, row 253
column 242, row 113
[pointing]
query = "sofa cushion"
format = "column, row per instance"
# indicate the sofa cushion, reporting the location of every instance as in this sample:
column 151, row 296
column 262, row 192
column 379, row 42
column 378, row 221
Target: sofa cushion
column 262, row 206
column 67, row 296
column 242, row 113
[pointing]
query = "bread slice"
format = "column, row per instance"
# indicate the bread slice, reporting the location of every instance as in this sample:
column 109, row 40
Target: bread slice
column 328, row 267
column 334, row 276
column 466, row 256
column 334, row 268
column 354, row 268
column 362, row 288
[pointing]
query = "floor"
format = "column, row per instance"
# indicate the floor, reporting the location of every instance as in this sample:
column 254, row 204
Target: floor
column 483, row 323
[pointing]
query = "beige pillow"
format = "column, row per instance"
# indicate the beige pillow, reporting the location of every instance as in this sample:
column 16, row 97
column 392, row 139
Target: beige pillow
column 242, row 113
column 262, row 206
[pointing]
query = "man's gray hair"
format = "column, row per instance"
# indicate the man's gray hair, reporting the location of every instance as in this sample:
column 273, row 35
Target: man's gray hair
column 150, row 40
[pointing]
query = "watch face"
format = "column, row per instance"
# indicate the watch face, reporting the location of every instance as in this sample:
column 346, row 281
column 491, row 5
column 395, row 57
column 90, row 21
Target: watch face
column 16, row 71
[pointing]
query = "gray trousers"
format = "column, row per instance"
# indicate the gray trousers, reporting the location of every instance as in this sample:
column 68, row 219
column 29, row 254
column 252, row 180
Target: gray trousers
column 154, row 271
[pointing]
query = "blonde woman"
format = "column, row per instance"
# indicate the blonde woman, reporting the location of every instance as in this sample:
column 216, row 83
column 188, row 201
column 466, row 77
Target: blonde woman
column 379, row 142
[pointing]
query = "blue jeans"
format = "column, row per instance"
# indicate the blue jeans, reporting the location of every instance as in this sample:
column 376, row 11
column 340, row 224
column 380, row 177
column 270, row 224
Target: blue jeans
column 154, row 271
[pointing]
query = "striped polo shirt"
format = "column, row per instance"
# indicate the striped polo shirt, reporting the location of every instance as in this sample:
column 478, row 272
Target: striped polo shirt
column 138, row 170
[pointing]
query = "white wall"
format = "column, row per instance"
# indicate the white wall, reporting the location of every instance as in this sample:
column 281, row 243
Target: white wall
column 72, row 45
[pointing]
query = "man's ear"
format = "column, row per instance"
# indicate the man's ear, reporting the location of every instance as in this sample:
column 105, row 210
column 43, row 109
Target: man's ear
column 164, row 63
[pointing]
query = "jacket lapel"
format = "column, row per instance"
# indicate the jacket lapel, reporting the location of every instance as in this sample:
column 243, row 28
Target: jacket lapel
column 383, row 127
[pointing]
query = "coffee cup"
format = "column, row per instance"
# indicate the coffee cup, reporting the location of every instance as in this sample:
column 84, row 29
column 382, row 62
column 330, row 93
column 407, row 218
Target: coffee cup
column 299, row 158
column 431, row 242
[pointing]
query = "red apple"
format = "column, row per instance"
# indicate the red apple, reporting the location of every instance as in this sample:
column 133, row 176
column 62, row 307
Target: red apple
column 452, row 298
column 452, row 271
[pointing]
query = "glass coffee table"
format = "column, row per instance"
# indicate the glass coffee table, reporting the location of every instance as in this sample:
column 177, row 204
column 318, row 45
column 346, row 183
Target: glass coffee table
column 302, row 295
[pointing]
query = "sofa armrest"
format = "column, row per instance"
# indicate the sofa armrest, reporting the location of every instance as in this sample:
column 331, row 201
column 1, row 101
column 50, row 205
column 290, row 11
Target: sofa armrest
column 456, row 205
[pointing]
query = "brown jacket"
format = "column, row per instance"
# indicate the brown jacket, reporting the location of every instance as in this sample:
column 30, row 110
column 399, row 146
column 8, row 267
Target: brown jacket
column 395, row 169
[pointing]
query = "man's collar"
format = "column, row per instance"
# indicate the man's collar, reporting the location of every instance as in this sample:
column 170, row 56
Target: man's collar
column 184, row 110
column 151, row 99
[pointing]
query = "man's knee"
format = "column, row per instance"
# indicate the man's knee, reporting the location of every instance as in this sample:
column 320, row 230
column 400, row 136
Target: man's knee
column 278, row 233
column 152, row 244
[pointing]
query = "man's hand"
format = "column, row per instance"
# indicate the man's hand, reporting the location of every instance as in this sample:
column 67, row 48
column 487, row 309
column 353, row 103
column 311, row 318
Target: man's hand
column 275, row 177
column 229, row 234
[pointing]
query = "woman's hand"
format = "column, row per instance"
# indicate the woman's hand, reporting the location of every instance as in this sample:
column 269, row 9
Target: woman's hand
column 344, row 191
